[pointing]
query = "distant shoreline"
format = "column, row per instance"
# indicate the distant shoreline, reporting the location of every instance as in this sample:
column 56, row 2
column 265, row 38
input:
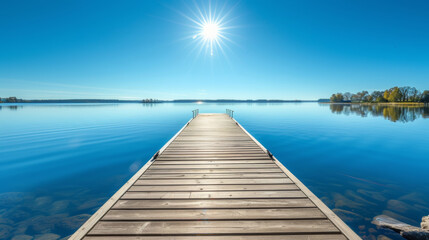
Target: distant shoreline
column 321, row 101
column 158, row 101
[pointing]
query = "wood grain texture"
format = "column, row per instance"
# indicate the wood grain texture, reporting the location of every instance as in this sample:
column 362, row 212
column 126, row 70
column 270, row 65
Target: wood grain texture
column 209, row 171
column 214, row 166
column 213, row 195
column 213, row 203
column 210, row 175
column 143, row 181
column 208, row 188
column 337, row 236
column 215, row 214
column 196, row 162
column 212, row 227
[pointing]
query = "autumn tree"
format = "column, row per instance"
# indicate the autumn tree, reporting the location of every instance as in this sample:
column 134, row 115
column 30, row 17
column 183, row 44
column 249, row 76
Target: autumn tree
column 395, row 95
column 386, row 94
column 337, row 97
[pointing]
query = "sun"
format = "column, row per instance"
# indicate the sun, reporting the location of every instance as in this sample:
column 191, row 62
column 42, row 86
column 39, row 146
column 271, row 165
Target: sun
column 210, row 31
column 211, row 26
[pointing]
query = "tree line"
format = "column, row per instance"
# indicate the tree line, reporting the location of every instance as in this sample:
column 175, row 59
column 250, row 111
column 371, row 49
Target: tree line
column 395, row 94
column 151, row 100
column 392, row 113
column 10, row 100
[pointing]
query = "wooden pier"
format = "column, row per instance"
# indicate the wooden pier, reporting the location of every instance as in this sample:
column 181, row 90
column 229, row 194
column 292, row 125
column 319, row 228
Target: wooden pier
column 213, row 180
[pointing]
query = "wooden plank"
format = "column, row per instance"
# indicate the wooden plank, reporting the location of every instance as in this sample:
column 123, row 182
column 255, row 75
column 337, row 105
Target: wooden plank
column 209, row 148
column 212, row 147
column 223, row 237
column 207, row 171
column 214, row 214
column 203, row 181
column 213, row 203
column 246, row 156
column 214, row 144
column 213, row 138
column 213, row 158
column 213, row 150
column 213, row 195
column 214, row 166
column 187, row 188
column 196, row 162
column 196, row 149
column 211, row 175
column 217, row 155
column 181, row 151
column 212, row 227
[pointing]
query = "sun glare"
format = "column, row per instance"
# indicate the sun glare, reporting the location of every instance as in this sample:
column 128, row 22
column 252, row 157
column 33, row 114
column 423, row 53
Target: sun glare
column 211, row 25
column 209, row 31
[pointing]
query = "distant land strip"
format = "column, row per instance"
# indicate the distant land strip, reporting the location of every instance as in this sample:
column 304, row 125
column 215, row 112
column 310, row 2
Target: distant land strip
column 16, row 100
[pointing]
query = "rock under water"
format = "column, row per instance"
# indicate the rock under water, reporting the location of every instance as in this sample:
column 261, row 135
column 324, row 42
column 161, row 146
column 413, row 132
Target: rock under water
column 407, row 231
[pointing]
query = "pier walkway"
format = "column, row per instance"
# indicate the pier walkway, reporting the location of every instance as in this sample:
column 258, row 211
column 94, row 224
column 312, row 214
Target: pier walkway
column 213, row 180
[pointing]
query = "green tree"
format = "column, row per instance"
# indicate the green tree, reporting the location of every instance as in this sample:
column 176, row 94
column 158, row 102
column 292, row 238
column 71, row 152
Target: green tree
column 405, row 91
column 381, row 99
column 361, row 97
column 395, row 95
column 425, row 96
column 378, row 96
column 413, row 95
column 337, row 97
column 11, row 100
column 364, row 96
column 347, row 96
column 386, row 94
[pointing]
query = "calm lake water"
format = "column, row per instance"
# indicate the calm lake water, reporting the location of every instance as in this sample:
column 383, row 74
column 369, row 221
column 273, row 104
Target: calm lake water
column 60, row 162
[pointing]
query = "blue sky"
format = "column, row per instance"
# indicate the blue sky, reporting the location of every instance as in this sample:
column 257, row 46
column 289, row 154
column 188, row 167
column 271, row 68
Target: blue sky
column 145, row 49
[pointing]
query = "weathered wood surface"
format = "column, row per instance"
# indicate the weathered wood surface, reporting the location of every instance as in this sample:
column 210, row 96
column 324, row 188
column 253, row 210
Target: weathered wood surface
column 222, row 237
column 214, row 181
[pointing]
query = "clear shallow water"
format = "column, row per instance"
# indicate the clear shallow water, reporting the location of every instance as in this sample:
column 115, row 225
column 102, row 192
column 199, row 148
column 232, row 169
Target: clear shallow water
column 60, row 163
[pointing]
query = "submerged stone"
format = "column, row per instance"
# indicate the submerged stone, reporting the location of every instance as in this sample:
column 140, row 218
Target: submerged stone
column 22, row 237
column 5, row 231
column 47, row 236
column 74, row 222
column 407, row 231
column 425, row 223
column 382, row 237
column 347, row 216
